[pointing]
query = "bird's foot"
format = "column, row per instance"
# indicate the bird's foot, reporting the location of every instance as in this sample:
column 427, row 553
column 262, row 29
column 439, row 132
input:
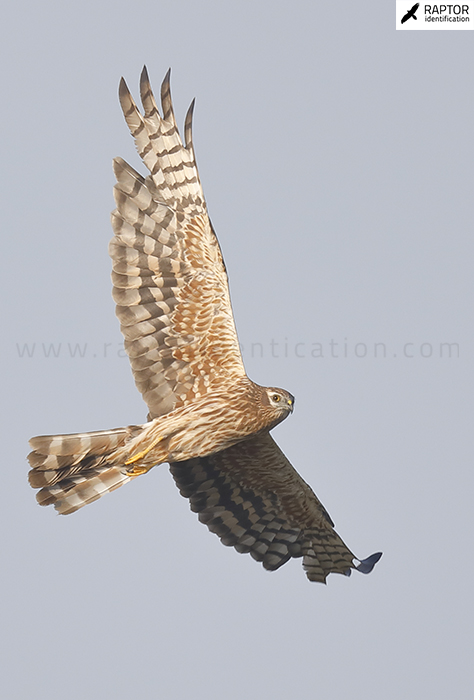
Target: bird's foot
column 137, row 469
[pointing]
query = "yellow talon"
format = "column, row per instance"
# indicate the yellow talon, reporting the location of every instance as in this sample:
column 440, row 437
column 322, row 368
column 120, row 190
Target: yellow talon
column 136, row 458
column 136, row 471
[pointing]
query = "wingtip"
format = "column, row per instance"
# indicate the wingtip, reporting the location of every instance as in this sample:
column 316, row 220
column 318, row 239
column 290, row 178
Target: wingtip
column 189, row 114
column 166, row 101
column 188, row 125
column 144, row 77
column 165, row 85
column 123, row 89
column 118, row 165
column 366, row 565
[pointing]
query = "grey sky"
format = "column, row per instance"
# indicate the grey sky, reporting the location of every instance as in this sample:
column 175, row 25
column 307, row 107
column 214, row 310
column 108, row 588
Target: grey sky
column 336, row 157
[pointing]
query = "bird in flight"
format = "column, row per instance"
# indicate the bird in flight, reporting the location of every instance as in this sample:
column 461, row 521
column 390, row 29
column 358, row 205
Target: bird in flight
column 411, row 13
column 206, row 418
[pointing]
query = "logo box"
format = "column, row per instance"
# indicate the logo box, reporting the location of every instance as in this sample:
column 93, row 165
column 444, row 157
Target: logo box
column 429, row 16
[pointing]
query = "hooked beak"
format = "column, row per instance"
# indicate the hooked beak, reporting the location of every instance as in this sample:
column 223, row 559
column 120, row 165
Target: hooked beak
column 291, row 403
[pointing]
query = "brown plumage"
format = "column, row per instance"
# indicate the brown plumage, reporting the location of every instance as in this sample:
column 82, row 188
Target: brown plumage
column 206, row 417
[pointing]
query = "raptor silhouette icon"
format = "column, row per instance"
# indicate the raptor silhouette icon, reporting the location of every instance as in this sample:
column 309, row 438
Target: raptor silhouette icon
column 411, row 13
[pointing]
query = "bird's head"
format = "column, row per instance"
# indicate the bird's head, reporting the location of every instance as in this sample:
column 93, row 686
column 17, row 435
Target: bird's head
column 280, row 400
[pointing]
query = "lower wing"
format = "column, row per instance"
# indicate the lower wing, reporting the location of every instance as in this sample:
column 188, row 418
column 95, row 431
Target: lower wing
column 255, row 501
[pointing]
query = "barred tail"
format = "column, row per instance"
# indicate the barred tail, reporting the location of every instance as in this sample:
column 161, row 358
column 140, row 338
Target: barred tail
column 74, row 470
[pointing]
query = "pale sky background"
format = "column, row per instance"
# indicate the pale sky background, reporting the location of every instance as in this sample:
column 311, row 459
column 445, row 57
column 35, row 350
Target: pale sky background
column 336, row 157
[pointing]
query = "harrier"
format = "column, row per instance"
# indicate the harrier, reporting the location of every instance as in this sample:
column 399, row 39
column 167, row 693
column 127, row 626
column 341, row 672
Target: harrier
column 206, row 418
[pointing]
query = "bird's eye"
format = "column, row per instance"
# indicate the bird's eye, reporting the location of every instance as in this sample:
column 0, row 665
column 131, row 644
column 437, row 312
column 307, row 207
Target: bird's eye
column 276, row 397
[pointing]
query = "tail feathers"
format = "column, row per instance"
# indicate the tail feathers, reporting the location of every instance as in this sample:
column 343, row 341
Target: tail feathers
column 73, row 493
column 74, row 470
column 79, row 445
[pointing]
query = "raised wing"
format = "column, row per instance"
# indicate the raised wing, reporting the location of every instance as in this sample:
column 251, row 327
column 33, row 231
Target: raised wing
column 255, row 501
column 170, row 283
